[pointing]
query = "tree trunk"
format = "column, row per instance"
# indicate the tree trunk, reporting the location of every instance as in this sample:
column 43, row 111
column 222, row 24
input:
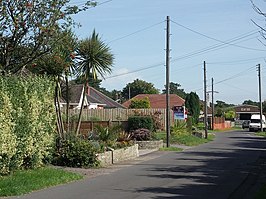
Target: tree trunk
column 59, row 129
column 81, row 108
column 59, row 112
column 67, row 102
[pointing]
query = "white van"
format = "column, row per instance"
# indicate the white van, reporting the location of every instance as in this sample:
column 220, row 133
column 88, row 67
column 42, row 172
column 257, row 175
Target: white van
column 254, row 124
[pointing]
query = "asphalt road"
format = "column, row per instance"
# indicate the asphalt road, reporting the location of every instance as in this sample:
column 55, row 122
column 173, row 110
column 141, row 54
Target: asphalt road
column 224, row 168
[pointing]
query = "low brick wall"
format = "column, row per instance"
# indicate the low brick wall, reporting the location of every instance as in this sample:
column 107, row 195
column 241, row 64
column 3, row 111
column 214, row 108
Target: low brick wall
column 150, row 144
column 118, row 155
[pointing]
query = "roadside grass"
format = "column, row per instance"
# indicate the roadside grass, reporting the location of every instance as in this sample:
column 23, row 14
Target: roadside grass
column 184, row 139
column 26, row 181
column 224, row 130
column 171, row 148
column 263, row 134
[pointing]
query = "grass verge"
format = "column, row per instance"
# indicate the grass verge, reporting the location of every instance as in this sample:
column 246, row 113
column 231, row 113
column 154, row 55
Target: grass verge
column 184, row 139
column 263, row 134
column 171, row 148
column 22, row 182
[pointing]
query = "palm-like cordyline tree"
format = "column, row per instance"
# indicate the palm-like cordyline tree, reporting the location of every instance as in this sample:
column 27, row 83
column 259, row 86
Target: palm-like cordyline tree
column 95, row 58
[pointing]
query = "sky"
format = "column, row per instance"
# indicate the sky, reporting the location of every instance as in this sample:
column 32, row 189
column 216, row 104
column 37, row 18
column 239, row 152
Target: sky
column 222, row 33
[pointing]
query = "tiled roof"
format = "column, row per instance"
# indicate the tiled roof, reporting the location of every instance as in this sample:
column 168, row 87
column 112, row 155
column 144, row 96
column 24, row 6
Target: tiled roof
column 159, row 100
column 93, row 96
column 110, row 103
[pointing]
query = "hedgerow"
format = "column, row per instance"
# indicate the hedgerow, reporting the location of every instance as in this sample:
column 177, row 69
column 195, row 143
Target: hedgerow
column 27, row 122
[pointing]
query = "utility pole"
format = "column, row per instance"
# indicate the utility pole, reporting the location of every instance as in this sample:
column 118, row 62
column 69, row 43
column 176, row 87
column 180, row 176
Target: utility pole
column 205, row 102
column 212, row 107
column 212, row 93
column 167, row 83
column 259, row 74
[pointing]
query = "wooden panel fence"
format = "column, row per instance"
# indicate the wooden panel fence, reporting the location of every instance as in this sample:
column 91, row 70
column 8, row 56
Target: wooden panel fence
column 118, row 115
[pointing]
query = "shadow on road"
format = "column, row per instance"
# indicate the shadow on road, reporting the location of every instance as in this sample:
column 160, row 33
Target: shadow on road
column 226, row 168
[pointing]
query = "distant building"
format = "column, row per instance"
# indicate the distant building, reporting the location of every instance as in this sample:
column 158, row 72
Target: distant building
column 244, row 112
column 94, row 99
column 159, row 100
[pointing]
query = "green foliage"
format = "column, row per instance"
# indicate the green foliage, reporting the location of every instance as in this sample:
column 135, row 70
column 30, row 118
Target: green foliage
column 230, row 115
column 179, row 128
column 250, row 102
column 8, row 142
column 140, row 103
column 193, row 106
column 219, row 112
column 138, row 87
column 138, row 122
column 75, row 152
column 28, row 122
column 30, row 29
column 174, row 88
column 105, row 134
column 189, row 124
column 95, row 59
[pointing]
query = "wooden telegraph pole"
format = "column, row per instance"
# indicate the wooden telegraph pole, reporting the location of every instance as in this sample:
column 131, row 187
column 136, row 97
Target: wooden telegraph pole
column 205, row 102
column 167, row 83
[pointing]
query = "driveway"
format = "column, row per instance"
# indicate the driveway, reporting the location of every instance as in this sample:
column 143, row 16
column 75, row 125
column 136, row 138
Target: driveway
column 225, row 168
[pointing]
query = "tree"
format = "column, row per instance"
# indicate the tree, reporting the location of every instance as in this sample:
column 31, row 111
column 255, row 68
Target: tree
column 29, row 29
column 193, row 105
column 222, row 104
column 250, row 102
column 174, row 88
column 138, row 87
column 230, row 115
column 59, row 63
column 140, row 103
column 96, row 59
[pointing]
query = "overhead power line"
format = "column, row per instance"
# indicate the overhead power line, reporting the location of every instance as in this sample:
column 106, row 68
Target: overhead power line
column 214, row 47
column 212, row 38
column 236, row 75
column 136, row 32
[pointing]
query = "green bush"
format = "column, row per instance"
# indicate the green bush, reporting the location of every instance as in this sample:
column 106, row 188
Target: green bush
column 140, row 103
column 27, row 119
column 179, row 128
column 76, row 152
column 138, row 122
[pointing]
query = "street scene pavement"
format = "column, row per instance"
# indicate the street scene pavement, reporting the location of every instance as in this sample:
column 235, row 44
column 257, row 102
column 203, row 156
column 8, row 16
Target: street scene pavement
column 231, row 166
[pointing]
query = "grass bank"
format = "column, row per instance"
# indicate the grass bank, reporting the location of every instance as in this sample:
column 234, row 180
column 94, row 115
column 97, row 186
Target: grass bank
column 184, row 139
column 26, row 181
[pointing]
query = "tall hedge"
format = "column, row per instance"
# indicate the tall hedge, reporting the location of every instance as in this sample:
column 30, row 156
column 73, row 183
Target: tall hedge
column 27, row 120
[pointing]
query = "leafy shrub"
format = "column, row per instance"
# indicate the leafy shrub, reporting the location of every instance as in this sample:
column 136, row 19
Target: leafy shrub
column 138, row 122
column 140, row 103
column 179, row 128
column 29, row 120
column 76, row 152
column 141, row 134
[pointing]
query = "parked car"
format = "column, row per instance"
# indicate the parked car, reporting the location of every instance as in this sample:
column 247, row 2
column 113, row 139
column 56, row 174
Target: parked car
column 245, row 124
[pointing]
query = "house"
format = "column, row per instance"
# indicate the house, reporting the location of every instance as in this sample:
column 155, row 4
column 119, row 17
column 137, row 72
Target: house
column 159, row 100
column 94, row 99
